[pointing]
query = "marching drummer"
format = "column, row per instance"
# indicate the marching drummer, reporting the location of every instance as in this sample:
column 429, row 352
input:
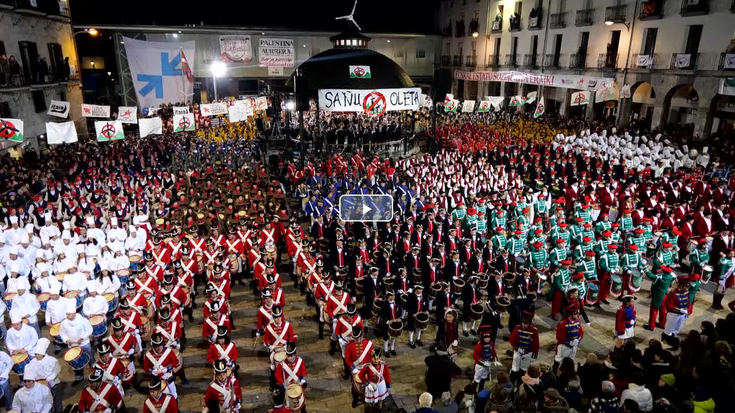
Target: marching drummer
column 677, row 307
column 26, row 304
column 161, row 362
column 291, row 371
column 20, row 337
column 75, row 332
column 569, row 333
column 470, row 295
column 159, row 401
column 211, row 323
column 625, row 320
column 46, row 368
column 699, row 256
column 484, row 356
column 124, row 345
column 223, row 349
column 94, row 304
column 525, row 343
column 224, row 393
column 377, row 376
column 388, row 313
column 417, row 303
column 659, row 289
column 345, row 325
column 336, row 305
column 277, row 334
column 725, row 278
column 32, row 397
column 112, row 368
column 56, row 312
column 279, row 400
column 559, row 283
column 609, row 264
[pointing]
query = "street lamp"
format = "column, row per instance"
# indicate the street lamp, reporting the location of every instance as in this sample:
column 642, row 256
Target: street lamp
column 218, row 69
column 475, row 34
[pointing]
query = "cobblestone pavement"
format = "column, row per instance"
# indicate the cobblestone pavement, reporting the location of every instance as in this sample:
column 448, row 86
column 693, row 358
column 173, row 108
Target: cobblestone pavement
column 328, row 392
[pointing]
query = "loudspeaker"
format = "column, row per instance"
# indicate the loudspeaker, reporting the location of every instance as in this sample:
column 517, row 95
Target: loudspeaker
column 39, row 100
column 260, row 124
column 301, row 90
column 442, row 84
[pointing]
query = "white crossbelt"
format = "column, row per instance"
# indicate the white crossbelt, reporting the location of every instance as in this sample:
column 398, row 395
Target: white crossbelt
column 99, row 399
column 279, row 337
column 292, row 377
column 164, row 406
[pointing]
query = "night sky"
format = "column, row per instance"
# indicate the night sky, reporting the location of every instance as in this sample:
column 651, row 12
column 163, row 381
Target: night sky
column 396, row 16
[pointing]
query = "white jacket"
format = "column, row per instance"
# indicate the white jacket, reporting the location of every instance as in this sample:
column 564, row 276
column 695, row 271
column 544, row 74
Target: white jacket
column 639, row 394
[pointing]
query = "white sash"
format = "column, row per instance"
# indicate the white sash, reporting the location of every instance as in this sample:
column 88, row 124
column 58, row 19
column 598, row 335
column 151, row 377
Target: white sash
column 376, row 372
column 341, row 306
column 279, row 338
column 292, row 377
column 226, row 395
column 269, row 236
column 266, row 314
column 119, row 348
column 157, row 363
column 164, row 406
column 99, row 399
column 277, row 298
column 224, row 353
column 166, row 334
column 129, row 324
column 144, row 286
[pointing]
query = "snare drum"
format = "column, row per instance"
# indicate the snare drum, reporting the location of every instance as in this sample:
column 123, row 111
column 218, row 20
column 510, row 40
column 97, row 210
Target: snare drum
column 357, row 385
column 376, row 307
column 616, row 285
column 502, row 303
column 520, row 259
column 43, row 300
column 9, row 300
column 295, row 395
column 134, row 259
column 112, row 302
column 457, row 286
column 279, row 355
column 635, row 280
column 20, row 361
column 76, row 358
column 359, row 285
column 435, row 289
column 476, row 312
column 421, row 320
column 123, row 275
column 395, row 328
column 707, row 273
column 55, row 332
column 484, row 280
column 60, row 276
column 74, row 295
column 99, row 325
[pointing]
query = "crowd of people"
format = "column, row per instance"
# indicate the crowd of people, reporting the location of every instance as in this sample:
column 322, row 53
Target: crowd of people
column 106, row 247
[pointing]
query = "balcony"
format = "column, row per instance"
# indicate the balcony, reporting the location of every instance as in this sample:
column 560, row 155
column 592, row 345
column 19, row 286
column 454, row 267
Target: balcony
column 33, row 7
column 647, row 61
column 459, row 29
column 531, row 60
column 515, row 23
column 684, row 61
column 652, row 10
column 585, row 17
column 607, row 61
column 535, row 17
column 470, row 61
column 577, row 61
column 446, row 59
column 7, row 4
column 492, row 61
column 497, row 26
column 727, row 62
column 616, row 14
column 474, row 27
column 511, row 60
column 555, row 61
column 457, row 61
column 558, row 20
column 694, row 7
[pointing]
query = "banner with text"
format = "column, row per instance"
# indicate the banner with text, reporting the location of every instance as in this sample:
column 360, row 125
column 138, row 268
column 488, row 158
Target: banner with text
column 373, row 102
column 181, row 110
column 95, row 111
column 109, row 131
column 58, row 108
column 62, row 132
column 150, row 126
column 275, row 52
column 127, row 114
column 213, row 109
column 161, row 71
column 235, row 48
column 564, row 81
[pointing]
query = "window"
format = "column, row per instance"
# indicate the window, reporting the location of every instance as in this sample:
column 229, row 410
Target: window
column 56, row 59
column 649, row 42
column 514, row 51
column 497, row 47
column 562, row 6
column 29, row 60
column 420, row 53
column 693, row 39
column 557, row 49
column 519, row 7
column 2, row 48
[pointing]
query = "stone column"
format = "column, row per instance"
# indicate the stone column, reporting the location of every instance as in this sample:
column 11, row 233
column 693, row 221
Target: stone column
column 703, row 124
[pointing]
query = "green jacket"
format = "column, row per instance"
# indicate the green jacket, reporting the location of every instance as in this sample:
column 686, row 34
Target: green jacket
column 560, row 281
column 705, row 406
column 609, row 261
column 660, row 287
column 726, row 265
column 698, row 258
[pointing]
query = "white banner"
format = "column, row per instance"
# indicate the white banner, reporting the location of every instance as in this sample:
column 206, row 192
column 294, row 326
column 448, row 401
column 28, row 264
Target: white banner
column 181, row 110
column 261, row 103
column 729, row 62
column 496, row 101
column 643, row 60
column 468, row 106
column 62, row 132
column 360, row 72
column 275, row 52
column 425, row 101
column 683, row 60
column 184, row 122
column 213, row 109
column 565, row 81
column 581, row 98
column 158, row 73
column 58, row 108
column 95, row 111
column 150, row 126
column 127, row 114
column 374, row 102
column 240, row 112
column 109, row 130
column 235, row 48
column 625, row 92
column 11, row 129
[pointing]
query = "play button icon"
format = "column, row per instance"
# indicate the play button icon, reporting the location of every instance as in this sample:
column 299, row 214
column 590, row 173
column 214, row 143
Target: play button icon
column 371, row 208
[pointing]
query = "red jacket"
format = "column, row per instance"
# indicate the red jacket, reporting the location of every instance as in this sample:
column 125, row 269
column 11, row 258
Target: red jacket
column 171, row 405
column 563, row 330
column 217, row 352
column 107, row 392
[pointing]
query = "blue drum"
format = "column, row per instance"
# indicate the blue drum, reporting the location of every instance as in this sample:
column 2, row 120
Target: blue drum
column 43, row 299
column 124, row 275
column 76, row 358
column 112, row 302
column 99, row 325
column 74, row 295
column 20, row 361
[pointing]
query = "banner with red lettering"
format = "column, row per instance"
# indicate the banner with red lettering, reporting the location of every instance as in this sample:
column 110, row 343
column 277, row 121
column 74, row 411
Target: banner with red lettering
column 565, row 81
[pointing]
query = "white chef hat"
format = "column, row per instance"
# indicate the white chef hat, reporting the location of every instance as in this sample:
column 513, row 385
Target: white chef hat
column 23, row 283
column 132, row 229
column 66, row 225
column 14, row 250
column 24, row 239
column 29, row 375
column 3, row 237
column 113, row 220
column 679, row 154
column 56, row 289
column 15, row 317
column 90, row 220
column 42, row 345
column 41, row 267
column 47, row 217
column 13, row 219
column 92, row 286
column 705, row 150
column 66, row 235
column 29, row 228
column 71, row 306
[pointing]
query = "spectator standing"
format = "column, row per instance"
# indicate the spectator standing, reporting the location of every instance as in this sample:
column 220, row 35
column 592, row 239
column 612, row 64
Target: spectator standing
column 638, row 393
column 425, row 402
column 440, row 371
column 554, row 402
column 606, row 401
column 501, row 395
column 4, row 70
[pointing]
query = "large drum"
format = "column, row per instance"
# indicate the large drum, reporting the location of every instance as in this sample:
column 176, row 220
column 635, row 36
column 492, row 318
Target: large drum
column 395, row 328
column 99, row 325
column 616, row 285
column 55, row 332
column 509, row 279
column 707, row 273
column 74, row 295
column 484, row 281
column 434, row 289
column 388, row 283
column 20, row 361
column 593, row 293
column 76, row 358
column 457, row 286
column 145, row 328
column 376, row 306
column 357, row 385
column 43, row 300
column 295, row 395
column 476, row 311
column 502, row 303
column 635, row 280
column 359, row 285
column 404, row 300
column 123, row 275
column 418, row 277
column 111, row 302
column 60, row 276
column 9, row 300
column 421, row 320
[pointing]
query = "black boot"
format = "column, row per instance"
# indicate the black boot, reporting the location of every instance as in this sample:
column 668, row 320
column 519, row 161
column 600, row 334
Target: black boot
column 717, row 301
column 321, row 331
column 182, row 376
